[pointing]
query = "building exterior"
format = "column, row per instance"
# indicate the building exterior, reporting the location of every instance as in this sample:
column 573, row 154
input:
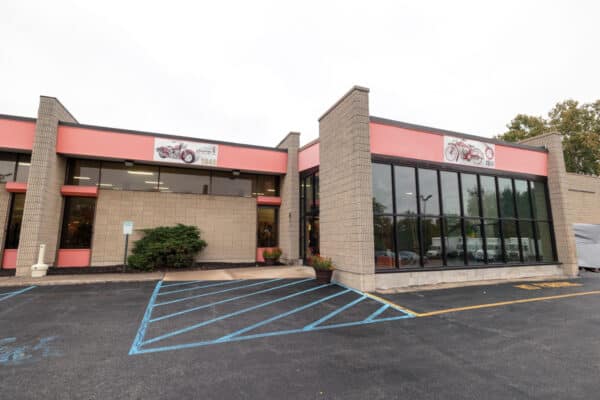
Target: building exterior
column 393, row 204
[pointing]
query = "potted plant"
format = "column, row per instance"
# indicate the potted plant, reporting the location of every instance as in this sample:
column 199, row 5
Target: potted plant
column 323, row 268
column 271, row 256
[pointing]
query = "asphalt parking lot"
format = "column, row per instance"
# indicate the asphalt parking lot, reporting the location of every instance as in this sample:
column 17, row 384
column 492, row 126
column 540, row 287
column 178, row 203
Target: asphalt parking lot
column 296, row 339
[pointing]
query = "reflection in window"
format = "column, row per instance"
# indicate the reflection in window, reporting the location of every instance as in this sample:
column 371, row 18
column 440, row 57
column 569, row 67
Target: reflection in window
column 407, row 239
column 511, row 242
column 493, row 241
column 7, row 167
column 454, row 242
column 78, row 221
column 429, row 199
column 540, row 204
column 382, row 189
column 432, row 242
column 406, row 191
column 118, row 176
column 83, row 172
column 507, row 201
column 227, row 184
column 266, row 185
column 522, row 194
column 267, row 232
column 184, row 180
column 450, row 195
column 527, row 241
column 545, row 242
column 384, row 241
column 488, row 196
column 474, row 239
column 23, row 165
column 15, row 218
column 470, row 195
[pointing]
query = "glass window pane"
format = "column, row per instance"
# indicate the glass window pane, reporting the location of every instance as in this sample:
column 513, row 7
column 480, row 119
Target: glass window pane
column 454, row 242
column 522, row 194
column 13, row 231
column 267, row 235
column 474, row 239
column 540, row 205
column 225, row 183
column 117, row 176
column 7, row 167
column 507, row 201
column 432, row 242
column 83, row 172
column 267, row 185
column 382, row 189
column 385, row 256
column 488, row 196
column 428, row 192
column 511, row 241
column 545, row 242
column 78, row 221
column 527, row 241
column 184, row 180
column 23, row 167
column 406, row 196
column 311, row 226
column 470, row 193
column 407, row 237
column 493, row 244
column 309, row 200
column 316, row 180
column 450, row 195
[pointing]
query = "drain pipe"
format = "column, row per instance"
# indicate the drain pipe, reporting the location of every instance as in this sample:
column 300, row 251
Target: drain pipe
column 39, row 270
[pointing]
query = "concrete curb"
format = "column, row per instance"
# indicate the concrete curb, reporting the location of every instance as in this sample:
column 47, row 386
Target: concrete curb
column 80, row 279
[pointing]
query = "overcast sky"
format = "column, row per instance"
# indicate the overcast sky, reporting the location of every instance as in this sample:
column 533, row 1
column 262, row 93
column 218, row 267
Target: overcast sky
column 251, row 71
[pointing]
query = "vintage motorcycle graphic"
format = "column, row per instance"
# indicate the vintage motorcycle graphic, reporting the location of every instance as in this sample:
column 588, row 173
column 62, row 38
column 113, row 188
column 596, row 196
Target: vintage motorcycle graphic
column 461, row 151
column 182, row 151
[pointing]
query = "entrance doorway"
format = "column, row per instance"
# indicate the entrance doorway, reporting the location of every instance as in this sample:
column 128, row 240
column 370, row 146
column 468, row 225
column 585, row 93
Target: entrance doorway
column 309, row 215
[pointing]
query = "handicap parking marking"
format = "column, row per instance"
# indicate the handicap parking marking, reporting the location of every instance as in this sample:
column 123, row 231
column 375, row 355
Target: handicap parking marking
column 143, row 344
column 547, row 285
column 8, row 295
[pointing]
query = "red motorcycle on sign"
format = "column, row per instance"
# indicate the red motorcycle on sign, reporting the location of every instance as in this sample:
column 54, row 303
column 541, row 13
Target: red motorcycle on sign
column 460, row 150
column 177, row 151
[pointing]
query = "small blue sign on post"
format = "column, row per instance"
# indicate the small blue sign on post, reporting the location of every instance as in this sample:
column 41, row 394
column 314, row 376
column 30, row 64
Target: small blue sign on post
column 127, row 230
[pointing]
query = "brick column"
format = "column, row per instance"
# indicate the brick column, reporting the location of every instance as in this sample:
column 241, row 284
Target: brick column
column 43, row 202
column 289, row 212
column 561, row 209
column 346, row 210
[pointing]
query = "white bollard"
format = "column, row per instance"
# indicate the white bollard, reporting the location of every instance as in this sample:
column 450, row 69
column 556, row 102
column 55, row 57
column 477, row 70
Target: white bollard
column 39, row 270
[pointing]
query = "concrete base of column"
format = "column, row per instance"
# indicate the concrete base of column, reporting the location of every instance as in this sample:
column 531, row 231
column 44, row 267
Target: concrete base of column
column 364, row 282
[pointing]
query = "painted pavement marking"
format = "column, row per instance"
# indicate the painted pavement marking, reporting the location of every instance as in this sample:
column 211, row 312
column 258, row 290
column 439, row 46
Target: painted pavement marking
column 8, row 295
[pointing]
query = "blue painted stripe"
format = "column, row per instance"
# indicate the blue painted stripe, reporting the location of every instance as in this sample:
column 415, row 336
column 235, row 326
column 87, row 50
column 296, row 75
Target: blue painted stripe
column 145, row 321
column 378, row 301
column 182, row 283
column 200, row 287
column 283, row 315
column 269, row 334
column 233, row 314
column 188, row 310
column 196, row 296
column 12, row 294
column 378, row 312
column 334, row 313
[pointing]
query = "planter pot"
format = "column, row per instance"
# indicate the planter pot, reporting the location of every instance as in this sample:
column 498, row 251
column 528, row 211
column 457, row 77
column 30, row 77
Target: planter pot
column 323, row 276
column 270, row 261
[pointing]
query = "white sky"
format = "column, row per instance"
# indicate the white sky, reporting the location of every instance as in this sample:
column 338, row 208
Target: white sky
column 251, row 71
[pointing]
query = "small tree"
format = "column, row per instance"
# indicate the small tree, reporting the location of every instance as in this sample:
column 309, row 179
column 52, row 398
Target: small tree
column 166, row 246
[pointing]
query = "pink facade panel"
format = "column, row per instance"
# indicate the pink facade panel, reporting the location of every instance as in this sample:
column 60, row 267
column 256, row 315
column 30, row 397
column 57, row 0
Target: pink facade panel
column 16, row 134
column 9, row 259
column 16, row 187
column 79, row 191
column 86, row 141
column 73, row 258
column 308, row 157
column 268, row 200
column 396, row 141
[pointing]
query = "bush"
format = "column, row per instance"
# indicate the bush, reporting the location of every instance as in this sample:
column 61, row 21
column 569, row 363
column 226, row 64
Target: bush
column 166, row 247
column 321, row 263
column 272, row 254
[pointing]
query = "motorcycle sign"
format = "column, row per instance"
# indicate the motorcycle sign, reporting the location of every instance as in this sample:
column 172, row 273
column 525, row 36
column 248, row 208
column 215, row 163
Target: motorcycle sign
column 469, row 152
column 180, row 151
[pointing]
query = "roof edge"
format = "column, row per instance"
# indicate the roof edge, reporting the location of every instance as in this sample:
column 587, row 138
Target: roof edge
column 17, row 118
column 354, row 88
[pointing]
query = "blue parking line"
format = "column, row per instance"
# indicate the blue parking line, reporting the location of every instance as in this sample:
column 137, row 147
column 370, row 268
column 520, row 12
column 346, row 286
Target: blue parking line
column 17, row 292
column 283, row 315
column 196, row 296
column 145, row 321
column 378, row 312
column 199, row 287
column 333, row 314
column 196, row 326
column 181, row 283
column 189, row 310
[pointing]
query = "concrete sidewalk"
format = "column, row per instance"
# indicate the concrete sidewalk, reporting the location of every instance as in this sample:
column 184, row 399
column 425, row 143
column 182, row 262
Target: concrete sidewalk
column 284, row 272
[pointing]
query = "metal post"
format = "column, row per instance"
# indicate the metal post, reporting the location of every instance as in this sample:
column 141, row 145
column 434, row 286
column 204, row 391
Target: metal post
column 125, row 255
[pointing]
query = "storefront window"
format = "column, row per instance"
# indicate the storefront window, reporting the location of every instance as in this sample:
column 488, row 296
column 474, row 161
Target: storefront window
column 488, row 196
column 227, row 184
column 267, row 234
column 540, row 204
column 432, row 242
column 118, row 176
column 184, row 180
column 266, row 185
column 406, row 191
column 15, row 218
column 83, row 172
column 545, row 242
column 78, row 221
column 507, row 200
column 385, row 255
column 493, row 241
column 453, row 240
column 451, row 196
column 407, row 239
column 527, row 241
column 7, row 167
column 522, row 195
column 429, row 199
column 23, row 164
column 470, row 195
column 382, row 189
column 510, row 238
column 474, row 239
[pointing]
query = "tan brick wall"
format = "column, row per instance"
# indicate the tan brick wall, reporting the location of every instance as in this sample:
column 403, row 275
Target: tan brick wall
column 562, row 208
column 584, row 196
column 289, row 212
column 43, row 203
column 4, row 209
column 228, row 224
column 346, row 210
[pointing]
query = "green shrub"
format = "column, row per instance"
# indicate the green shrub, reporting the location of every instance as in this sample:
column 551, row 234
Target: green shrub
column 272, row 254
column 322, row 263
column 166, row 247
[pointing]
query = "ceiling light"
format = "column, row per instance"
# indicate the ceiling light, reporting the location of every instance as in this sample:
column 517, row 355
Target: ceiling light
column 24, row 163
column 82, row 178
column 106, row 184
column 140, row 173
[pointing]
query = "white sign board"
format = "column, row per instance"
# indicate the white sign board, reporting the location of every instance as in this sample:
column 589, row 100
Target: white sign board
column 185, row 152
column 469, row 152
column 127, row 227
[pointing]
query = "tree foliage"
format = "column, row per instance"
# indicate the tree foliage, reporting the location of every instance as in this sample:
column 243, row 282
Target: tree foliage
column 579, row 125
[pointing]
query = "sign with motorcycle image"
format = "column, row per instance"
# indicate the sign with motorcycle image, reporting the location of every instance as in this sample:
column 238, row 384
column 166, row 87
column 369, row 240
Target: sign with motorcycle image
column 469, row 152
column 184, row 152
